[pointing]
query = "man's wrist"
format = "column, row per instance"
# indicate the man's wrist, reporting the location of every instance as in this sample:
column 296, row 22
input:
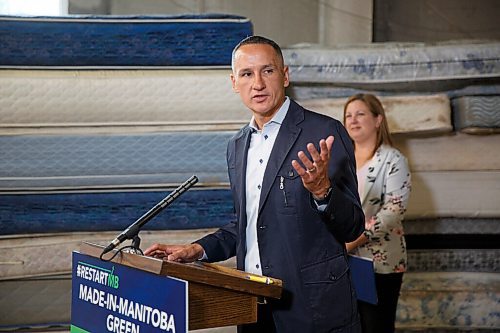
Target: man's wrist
column 323, row 196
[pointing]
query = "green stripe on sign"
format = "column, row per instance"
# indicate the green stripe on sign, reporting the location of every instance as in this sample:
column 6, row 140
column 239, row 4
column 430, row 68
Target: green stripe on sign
column 76, row 329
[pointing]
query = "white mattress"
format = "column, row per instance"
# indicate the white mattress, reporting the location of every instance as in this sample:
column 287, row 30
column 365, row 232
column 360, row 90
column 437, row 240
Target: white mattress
column 47, row 100
column 36, row 255
column 452, row 152
column 454, row 194
column 35, row 302
column 405, row 114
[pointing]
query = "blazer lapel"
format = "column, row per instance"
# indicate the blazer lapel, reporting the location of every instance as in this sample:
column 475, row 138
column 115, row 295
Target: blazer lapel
column 369, row 180
column 287, row 135
column 241, row 152
column 374, row 168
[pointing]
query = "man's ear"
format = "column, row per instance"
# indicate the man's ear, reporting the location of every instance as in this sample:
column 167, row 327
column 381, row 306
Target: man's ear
column 233, row 82
column 286, row 79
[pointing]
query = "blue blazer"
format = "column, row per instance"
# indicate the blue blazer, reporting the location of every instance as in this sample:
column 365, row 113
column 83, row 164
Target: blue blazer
column 298, row 244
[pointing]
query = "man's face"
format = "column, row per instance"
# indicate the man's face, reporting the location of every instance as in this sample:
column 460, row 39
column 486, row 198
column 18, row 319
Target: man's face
column 260, row 78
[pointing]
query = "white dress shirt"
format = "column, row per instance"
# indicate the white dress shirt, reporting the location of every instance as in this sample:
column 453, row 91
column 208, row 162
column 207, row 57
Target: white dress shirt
column 261, row 145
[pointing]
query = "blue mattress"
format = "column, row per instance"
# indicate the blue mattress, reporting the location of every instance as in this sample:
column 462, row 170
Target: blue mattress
column 115, row 41
column 313, row 91
column 64, row 212
column 454, row 260
column 479, row 114
column 452, row 225
column 40, row 162
column 396, row 66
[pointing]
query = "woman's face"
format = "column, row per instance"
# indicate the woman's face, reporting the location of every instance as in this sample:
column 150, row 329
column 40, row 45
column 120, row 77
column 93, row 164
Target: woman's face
column 360, row 122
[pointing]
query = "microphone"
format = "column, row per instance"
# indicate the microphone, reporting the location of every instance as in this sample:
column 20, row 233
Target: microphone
column 135, row 227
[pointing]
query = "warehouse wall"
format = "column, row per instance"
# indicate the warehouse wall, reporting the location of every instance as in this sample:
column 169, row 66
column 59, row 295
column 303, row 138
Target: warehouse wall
column 288, row 22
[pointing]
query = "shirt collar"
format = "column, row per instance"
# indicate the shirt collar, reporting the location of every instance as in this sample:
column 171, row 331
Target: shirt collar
column 278, row 117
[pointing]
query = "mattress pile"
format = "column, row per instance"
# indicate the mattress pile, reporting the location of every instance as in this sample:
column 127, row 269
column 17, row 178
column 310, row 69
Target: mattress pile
column 443, row 107
column 435, row 95
column 100, row 118
column 97, row 128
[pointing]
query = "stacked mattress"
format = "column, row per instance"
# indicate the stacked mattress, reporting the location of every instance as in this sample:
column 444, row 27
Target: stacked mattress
column 443, row 105
column 100, row 118
column 94, row 134
column 396, row 66
column 115, row 41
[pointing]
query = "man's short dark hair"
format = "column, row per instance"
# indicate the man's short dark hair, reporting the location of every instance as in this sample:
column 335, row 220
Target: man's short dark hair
column 258, row 40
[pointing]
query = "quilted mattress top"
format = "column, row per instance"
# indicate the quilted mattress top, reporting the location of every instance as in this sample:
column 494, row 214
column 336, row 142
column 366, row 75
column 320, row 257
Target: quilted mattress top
column 117, row 41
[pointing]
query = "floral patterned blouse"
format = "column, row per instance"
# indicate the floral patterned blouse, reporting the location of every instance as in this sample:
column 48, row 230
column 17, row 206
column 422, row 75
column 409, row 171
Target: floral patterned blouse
column 385, row 197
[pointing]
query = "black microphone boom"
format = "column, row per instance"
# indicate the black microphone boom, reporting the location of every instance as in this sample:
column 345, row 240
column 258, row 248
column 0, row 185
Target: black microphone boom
column 135, row 227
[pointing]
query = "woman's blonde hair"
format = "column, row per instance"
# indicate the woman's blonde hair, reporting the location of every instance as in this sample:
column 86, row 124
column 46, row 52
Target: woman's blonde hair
column 376, row 108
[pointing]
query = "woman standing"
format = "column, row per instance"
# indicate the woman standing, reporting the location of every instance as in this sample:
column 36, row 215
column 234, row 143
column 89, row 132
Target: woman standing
column 384, row 188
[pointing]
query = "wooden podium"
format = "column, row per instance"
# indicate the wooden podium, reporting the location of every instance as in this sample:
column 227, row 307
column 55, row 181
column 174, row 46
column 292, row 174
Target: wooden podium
column 218, row 295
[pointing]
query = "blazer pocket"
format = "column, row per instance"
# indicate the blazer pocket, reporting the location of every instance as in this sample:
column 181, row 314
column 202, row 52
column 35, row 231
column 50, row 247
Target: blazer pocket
column 287, row 186
column 328, row 289
column 329, row 270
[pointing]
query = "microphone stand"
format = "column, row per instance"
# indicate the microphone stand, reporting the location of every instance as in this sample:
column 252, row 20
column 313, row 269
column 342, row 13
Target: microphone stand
column 135, row 247
column 132, row 232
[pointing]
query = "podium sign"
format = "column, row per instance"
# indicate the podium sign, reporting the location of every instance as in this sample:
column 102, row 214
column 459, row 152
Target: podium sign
column 110, row 297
